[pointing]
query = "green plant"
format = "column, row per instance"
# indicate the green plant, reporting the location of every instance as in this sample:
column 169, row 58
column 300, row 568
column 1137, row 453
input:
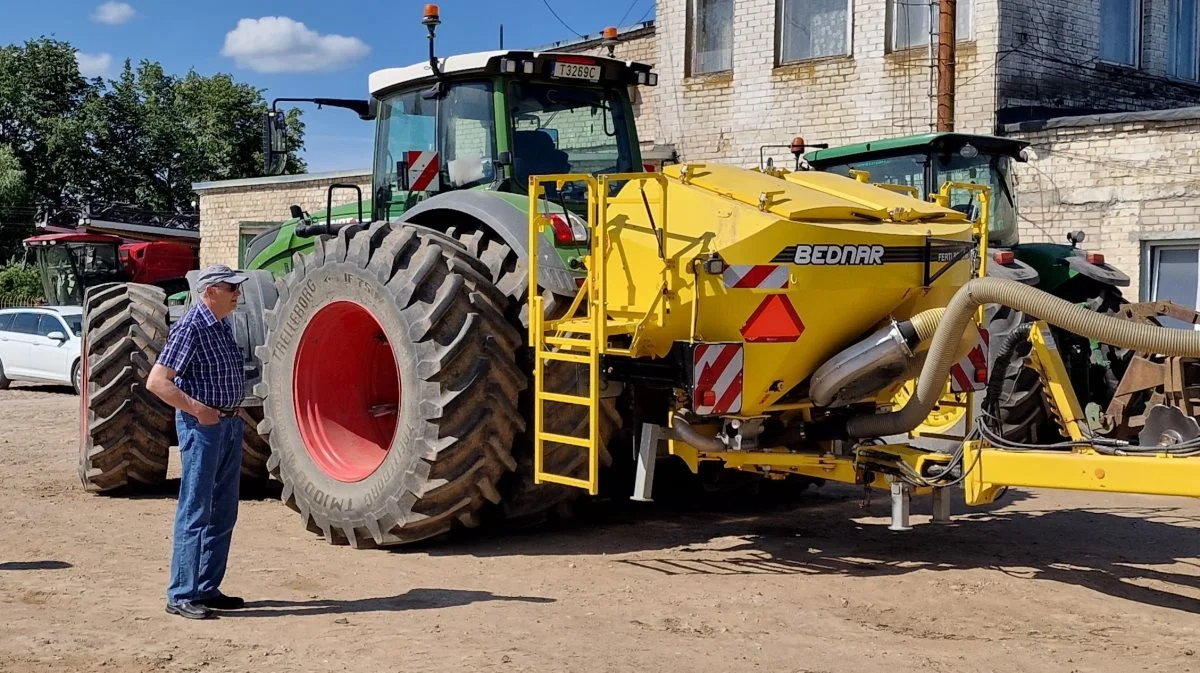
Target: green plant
column 19, row 281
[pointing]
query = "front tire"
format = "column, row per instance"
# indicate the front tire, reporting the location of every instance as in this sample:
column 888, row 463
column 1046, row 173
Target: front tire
column 389, row 386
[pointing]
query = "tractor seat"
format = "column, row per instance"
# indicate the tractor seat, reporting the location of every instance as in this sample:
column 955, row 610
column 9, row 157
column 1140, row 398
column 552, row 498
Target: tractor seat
column 536, row 155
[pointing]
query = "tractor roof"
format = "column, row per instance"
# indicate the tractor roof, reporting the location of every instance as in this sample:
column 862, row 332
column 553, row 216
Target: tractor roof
column 938, row 142
column 489, row 62
column 53, row 239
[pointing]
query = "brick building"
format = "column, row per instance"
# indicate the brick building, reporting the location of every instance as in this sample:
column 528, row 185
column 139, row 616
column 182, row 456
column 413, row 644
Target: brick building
column 739, row 74
column 1131, row 182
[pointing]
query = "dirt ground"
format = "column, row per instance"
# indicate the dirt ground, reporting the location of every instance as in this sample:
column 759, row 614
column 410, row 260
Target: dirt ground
column 1045, row 581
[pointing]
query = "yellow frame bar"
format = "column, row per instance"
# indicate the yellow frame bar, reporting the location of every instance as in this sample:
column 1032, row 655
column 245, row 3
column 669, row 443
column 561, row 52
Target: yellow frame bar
column 994, row 469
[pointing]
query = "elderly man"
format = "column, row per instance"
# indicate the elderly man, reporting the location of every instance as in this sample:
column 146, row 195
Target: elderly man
column 199, row 373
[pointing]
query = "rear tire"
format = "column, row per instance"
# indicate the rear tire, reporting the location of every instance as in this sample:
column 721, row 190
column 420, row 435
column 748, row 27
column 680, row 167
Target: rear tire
column 416, row 302
column 126, row 430
column 4, row 381
column 1022, row 412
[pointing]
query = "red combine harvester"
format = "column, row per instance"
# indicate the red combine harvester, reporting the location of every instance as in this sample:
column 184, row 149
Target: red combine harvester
column 70, row 263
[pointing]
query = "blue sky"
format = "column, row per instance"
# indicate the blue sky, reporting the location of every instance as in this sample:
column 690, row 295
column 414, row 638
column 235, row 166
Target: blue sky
column 302, row 48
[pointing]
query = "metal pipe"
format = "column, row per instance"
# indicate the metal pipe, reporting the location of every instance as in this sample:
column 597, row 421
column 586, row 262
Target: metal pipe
column 683, row 431
column 948, row 336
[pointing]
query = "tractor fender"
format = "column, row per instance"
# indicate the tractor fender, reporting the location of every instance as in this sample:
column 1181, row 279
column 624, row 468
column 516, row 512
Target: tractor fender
column 501, row 217
column 1016, row 270
column 249, row 328
column 1102, row 273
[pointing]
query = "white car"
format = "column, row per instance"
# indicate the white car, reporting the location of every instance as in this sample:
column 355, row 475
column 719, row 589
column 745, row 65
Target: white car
column 41, row 344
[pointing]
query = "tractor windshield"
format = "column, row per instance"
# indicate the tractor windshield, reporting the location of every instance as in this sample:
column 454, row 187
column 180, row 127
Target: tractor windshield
column 68, row 269
column 928, row 173
column 984, row 169
column 568, row 129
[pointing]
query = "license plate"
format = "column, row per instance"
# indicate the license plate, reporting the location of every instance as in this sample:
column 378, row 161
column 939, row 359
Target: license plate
column 577, row 71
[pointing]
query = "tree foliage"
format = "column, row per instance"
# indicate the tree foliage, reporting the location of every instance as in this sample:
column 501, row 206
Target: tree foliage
column 142, row 138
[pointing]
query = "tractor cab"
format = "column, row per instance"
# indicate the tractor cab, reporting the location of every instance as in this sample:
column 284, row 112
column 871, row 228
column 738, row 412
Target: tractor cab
column 69, row 263
column 490, row 120
column 926, row 162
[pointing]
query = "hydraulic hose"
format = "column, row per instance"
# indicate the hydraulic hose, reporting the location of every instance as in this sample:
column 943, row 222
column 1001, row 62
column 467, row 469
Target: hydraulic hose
column 953, row 322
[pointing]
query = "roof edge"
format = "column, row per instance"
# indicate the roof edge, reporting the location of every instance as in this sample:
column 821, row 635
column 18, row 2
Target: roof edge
column 1083, row 121
column 278, row 179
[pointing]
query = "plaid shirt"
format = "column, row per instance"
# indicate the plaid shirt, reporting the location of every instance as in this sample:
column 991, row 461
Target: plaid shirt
column 206, row 359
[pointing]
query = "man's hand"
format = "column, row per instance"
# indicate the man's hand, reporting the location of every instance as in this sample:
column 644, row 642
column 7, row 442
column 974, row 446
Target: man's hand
column 161, row 382
column 206, row 415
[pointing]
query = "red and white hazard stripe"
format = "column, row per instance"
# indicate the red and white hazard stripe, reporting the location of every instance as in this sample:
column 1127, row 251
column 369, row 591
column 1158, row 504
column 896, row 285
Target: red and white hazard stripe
column 423, row 169
column 757, row 277
column 717, row 378
column 970, row 373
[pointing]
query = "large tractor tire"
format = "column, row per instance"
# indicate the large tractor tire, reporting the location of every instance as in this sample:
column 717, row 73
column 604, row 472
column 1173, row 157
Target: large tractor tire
column 525, row 503
column 126, row 431
column 390, row 385
column 1022, row 412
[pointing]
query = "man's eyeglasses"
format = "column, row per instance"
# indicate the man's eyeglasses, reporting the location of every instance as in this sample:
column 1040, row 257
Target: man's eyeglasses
column 228, row 287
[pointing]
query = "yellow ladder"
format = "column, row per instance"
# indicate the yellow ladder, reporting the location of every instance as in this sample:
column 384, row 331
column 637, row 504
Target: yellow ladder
column 581, row 340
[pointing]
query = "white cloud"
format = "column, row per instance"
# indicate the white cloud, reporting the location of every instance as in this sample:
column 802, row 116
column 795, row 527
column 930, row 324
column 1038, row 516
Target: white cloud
column 94, row 65
column 275, row 44
column 113, row 13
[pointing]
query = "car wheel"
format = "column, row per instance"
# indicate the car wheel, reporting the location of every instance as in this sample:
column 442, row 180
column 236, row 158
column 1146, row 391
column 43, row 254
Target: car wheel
column 76, row 379
column 3, row 379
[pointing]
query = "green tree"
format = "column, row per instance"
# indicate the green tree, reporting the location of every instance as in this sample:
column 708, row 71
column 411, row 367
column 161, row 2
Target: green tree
column 142, row 138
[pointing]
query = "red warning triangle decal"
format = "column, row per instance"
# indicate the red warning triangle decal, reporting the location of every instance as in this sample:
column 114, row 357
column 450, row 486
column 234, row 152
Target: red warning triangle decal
column 774, row 320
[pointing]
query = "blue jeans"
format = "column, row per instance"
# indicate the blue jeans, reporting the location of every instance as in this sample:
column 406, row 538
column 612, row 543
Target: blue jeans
column 207, row 508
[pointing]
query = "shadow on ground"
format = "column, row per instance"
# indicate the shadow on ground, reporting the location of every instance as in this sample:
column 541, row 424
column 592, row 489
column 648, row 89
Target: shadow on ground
column 1102, row 549
column 413, row 599
column 35, row 565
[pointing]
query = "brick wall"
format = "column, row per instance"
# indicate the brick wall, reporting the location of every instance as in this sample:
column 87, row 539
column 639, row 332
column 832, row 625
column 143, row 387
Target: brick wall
column 1125, row 184
column 869, row 93
column 1049, row 58
column 225, row 205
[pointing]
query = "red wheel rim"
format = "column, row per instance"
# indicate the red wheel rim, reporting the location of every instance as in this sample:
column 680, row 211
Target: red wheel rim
column 346, row 391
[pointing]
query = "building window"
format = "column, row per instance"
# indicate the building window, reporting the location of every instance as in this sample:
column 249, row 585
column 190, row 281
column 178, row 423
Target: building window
column 1173, row 274
column 712, row 36
column 813, row 29
column 1120, row 31
column 911, row 21
column 1181, row 40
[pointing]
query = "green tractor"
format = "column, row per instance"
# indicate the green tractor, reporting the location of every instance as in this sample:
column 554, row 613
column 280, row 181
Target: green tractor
column 925, row 163
column 443, row 236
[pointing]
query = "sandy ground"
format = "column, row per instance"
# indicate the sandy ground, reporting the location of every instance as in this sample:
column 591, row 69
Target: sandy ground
column 1044, row 582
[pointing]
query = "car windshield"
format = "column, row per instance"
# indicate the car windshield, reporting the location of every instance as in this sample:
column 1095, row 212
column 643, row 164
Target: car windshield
column 568, row 129
column 75, row 323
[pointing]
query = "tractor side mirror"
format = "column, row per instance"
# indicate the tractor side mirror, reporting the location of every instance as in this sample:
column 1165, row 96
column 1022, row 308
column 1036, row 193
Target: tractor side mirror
column 274, row 145
column 296, row 211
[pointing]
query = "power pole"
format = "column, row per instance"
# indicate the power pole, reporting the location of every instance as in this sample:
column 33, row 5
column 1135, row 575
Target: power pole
column 947, row 13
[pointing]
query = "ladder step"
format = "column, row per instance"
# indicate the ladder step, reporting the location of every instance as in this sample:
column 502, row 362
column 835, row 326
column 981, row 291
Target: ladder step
column 567, row 342
column 564, row 439
column 565, row 357
column 565, row 481
column 567, row 399
column 584, row 326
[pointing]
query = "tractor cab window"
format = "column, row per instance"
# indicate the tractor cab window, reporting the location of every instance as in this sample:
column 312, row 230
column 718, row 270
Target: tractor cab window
column 568, row 129
column 70, row 268
column 907, row 170
column 431, row 145
column 982, row 169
